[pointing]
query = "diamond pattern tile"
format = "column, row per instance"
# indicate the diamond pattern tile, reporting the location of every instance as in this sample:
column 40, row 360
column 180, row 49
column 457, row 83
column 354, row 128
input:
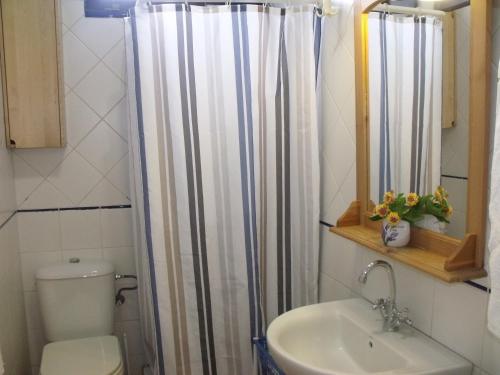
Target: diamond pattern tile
column 91, row 31
column 26, row 179
column 115, row 59
column 103, row 147
column 118, row 118
column 80, row 119
column 104, row 191
column 72, row 11
column 101, row 89
column 46, row 195
column 75, row 177
column 44, row 161
column 94, row 74
column 119, row 176
column 78, row 59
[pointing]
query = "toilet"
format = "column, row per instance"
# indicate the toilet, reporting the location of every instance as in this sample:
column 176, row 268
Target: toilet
column 77, row 307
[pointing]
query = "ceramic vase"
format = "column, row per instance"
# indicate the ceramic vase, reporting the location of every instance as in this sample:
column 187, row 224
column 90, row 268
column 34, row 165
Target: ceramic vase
column 431, row 223
column 396, row 235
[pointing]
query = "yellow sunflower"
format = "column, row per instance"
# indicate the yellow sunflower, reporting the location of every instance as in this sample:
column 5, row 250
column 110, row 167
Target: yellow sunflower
column 393, row 218
column 412, row 199
column 448, row 211
column 389, row 197
column 381, row 210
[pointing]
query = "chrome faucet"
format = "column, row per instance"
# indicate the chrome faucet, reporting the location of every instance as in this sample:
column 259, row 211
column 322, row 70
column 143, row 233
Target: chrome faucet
column 393, row 318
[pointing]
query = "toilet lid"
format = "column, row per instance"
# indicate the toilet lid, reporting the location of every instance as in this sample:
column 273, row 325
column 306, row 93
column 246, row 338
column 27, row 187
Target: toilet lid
column 89, row 356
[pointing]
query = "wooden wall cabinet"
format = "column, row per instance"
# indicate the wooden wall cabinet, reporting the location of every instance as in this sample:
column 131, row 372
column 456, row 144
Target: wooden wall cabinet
column 31, row 68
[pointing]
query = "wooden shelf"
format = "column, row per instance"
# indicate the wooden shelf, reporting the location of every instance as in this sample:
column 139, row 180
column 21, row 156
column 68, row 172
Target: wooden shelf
column 427, row 261
column 446, row 258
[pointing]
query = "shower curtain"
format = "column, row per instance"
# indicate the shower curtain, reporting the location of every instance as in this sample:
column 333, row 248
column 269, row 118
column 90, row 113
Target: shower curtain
column 405, row 79
column 224, row 151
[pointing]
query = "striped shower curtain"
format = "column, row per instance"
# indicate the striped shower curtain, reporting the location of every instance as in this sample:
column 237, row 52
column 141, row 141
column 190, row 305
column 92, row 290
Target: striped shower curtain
column 405, row 83
column 225, row 162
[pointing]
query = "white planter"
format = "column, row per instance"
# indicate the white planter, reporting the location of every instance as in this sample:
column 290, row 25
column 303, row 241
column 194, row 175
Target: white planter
column 431, row 223
column 396, row 235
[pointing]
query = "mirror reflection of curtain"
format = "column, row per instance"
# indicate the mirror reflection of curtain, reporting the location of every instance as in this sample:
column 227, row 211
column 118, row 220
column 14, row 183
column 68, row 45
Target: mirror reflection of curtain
column 405, row 83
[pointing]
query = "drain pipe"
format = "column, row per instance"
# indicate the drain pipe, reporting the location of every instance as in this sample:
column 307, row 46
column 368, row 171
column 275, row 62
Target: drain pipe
column 120, row 298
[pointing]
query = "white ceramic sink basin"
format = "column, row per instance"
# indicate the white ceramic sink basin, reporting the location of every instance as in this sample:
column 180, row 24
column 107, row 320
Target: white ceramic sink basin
column 345, row 337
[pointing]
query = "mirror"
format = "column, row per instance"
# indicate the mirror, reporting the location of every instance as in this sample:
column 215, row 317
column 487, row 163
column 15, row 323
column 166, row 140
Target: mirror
column 457, row 148
column 418, row 106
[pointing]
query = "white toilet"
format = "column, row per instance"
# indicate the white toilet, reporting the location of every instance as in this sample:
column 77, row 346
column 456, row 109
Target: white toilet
column 77, row 306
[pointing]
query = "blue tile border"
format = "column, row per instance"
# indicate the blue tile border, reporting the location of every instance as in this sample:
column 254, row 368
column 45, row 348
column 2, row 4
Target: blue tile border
column 85, row 208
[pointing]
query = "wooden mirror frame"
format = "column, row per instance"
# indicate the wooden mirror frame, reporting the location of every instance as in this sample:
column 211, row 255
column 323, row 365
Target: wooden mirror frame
column 441, row 256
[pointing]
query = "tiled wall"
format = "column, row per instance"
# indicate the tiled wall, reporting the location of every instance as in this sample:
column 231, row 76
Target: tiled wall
column 13, row 338
column 91, row 171
column 454, row 315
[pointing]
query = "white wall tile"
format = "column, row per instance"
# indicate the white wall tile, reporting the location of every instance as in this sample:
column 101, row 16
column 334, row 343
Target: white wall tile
column 33, row 317
column 13, row 330
column 75, row 177
column 44, row 161
column 80, row 230
column 38, row 231
column 116, row 228
column 104, row 194
column 340, row 259
column 103, row 147
column 72, row 11
column 26, row 179
column 101, row 89
column 80, row 119
column 122, row 258
column 46, row 195
column 119, row 176
column 331, row 290
column 416, row 292
column 118, row 118
column 454, row 305
column 78, row 59
column 132, row 331
column 91, row 31
column 115, row 59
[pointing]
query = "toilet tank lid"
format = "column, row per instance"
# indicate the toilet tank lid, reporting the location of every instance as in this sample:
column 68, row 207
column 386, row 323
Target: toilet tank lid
column 74, row 270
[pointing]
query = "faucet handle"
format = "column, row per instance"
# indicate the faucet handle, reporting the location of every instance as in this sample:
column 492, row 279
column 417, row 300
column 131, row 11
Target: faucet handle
column 379, row 303
column 402, row 317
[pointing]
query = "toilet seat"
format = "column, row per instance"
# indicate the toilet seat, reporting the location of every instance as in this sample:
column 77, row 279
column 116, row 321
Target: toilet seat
column 88, row 356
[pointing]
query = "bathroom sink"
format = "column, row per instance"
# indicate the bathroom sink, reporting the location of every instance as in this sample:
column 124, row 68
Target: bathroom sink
column 345, row 337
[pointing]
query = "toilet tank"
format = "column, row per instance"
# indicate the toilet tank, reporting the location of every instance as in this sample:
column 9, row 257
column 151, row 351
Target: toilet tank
column 76, row 299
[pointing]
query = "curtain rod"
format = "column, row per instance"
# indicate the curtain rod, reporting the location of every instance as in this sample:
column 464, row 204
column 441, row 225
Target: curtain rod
column 324, row 5
column 408, row 10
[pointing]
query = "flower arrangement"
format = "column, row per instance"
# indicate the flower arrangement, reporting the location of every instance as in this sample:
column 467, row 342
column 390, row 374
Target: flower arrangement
column 412, row 207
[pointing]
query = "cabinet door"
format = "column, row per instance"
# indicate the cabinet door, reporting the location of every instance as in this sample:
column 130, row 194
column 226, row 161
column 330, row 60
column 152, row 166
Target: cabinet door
column 33, row 93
